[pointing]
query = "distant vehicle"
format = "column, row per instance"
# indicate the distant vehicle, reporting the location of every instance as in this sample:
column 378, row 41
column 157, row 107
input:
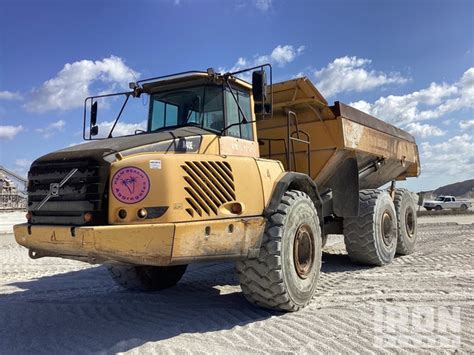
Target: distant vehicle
column 446, row 202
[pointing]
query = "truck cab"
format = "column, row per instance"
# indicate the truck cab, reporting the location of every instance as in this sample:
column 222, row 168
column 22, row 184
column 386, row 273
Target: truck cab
column 180, row 186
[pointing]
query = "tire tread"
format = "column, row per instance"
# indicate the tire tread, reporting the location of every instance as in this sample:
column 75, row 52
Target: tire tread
column 359, row 231
column 261, row 279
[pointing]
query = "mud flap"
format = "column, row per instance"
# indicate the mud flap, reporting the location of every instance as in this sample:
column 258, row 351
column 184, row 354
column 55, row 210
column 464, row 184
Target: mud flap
column 345, row 189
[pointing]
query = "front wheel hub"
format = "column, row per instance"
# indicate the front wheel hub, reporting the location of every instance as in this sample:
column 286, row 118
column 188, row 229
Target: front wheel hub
column 303, row 251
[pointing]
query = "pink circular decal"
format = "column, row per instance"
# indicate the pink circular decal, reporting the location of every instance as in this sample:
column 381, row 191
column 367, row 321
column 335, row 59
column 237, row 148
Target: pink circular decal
column 130, row 185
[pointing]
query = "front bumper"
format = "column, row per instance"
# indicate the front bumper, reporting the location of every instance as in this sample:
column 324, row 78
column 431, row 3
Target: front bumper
column 146, row 244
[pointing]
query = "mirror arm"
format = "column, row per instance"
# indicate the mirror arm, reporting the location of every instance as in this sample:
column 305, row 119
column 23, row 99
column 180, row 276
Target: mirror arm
column 118, row 117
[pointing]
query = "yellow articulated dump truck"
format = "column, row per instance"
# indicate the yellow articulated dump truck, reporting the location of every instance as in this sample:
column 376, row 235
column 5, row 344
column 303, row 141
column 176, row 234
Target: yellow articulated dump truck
column 224, row 170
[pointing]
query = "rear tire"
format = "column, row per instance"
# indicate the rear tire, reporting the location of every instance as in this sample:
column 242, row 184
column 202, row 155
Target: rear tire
column 371, row 238
column 285, row 274
column 406, row 221
column 146, row 278
column 324, row 241
column 463, row 207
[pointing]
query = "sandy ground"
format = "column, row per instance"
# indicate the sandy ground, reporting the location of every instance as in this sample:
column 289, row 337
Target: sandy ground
column 8, row 219
column 59, row 306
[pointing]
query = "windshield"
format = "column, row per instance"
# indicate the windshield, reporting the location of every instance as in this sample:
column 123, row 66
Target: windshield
column 201, row 106
column 439, row 199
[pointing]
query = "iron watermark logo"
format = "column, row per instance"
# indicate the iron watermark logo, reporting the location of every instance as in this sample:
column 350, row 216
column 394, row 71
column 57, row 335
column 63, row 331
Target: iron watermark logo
column 417, row 327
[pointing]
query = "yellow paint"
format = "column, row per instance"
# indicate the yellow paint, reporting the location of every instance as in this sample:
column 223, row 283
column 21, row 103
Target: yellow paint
column 216, row 239
column 329, row 135
column 215, row 198
column 149, row 244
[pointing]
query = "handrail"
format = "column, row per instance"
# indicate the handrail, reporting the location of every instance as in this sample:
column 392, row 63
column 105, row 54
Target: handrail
column 270, row 140
column 290, row 149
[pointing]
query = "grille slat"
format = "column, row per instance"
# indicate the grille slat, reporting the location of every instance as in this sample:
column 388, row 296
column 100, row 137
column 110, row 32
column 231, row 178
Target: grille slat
column 226, row 181
column 226, row 168
column 207, row 177
column 219, row 183
column 200, row 196
column 210, row 185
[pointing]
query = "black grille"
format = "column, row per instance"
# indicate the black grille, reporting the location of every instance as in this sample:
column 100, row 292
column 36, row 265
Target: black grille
column 85, row 191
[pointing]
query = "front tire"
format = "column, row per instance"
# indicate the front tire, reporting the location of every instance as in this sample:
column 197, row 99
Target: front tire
column 371, row 238
column 285, row 274
column 406, row 222
column 438, row 208
column 146, row 278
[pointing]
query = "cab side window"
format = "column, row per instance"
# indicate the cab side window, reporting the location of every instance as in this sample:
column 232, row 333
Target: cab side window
column 234, row 116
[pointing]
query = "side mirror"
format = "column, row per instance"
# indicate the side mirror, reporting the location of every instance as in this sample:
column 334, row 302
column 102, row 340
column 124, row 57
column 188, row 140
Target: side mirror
column 259, row 84
column 94, row 130
column 259, row 91
column 94, row 115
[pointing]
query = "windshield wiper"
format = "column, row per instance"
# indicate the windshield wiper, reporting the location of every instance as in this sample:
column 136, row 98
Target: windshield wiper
column 186, row 124
column 244, row 119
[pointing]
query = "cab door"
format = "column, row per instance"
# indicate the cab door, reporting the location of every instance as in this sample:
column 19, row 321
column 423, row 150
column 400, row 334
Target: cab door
column 240, row 137
column 450, row 202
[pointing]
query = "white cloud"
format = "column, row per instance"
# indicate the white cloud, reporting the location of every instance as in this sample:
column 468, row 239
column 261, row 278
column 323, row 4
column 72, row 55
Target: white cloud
column 362, row 105
column 71, row 85
column 8, row 95
column 424, row 130
column 9, row 132
column 285, row 54
column 280, row 55
column 263, row 5
column 351, row 74
column 52, row 128
column 453, row 157
column 432, row 102
column 121, row 129
column 59, row 125
column 466, row 125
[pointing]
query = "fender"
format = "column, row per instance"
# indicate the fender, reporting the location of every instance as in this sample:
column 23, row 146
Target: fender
column 294, row 181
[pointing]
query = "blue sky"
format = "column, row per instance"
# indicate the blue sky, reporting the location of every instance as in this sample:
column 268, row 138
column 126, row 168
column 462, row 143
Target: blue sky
column 410, row 63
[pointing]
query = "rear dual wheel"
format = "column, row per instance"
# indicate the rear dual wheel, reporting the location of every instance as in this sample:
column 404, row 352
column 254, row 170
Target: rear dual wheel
column 371, row 238
column 383, row 227
column 406, row 221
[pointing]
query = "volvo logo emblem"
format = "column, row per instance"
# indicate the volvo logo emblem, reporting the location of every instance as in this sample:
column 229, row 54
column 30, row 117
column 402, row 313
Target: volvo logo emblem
column 54, row 189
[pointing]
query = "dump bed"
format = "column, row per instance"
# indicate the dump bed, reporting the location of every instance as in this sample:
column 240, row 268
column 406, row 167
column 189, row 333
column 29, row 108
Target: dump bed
column 345, row 144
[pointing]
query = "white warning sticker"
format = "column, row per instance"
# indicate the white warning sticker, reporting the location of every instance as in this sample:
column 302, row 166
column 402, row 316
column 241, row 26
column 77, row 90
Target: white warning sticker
column 155, row 164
